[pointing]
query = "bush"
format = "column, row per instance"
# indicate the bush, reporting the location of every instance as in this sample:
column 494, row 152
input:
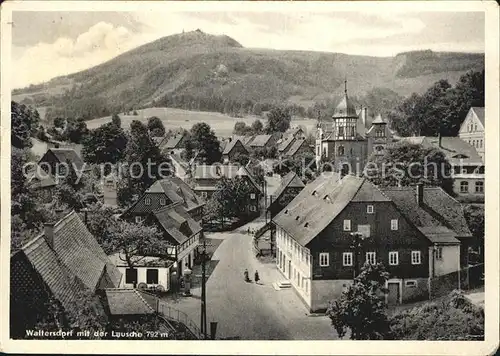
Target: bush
column 452, row 318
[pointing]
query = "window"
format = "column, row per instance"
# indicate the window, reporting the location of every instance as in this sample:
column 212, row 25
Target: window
column 138, row 219
column 464, row 187
column 324, row 259
column 131, row 275
column 371, row 258
column 204, row 194
column 411, row 283
column 317, row 151
column 475, row 127
column 347, row 258
column 252, row 196
column 147, row 201
column 379, row 148
column 162, row 201
column 369, row 209
column 416, row 258
column 394, row 224
column 481, row 143
column 393, row 258
column 152, row 276
column 340, row 150
column 347, row 225
column 341, row 131
column 439, row 253
column 479, row 187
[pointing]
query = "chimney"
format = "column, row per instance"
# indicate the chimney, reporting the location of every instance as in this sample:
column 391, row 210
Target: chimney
column 48, row 231
column 420, row 193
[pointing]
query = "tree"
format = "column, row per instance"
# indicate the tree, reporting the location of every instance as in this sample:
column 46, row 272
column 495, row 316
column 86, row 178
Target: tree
column 116, row 120
column 155, row 127
column 144, row 158
column 135, row 241
column 406, row 164
column 278, row 120
column 59, row 122
column 202, row 140
column 257, row 127
column 24, row 125
column 105, row 144
column 361, row 308
column 76, row 131
column 220, row 205
column 241, row 129
column 474, row 215
column 41, row 134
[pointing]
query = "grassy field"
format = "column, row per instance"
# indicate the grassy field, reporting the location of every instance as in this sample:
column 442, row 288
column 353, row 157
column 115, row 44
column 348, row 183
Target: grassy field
column 177, row 118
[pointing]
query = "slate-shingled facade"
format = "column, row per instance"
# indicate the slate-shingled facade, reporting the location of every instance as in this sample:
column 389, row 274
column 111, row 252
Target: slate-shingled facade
column 314, row 237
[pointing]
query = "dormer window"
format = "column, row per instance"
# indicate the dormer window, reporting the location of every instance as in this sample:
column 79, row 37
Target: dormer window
column 326, row 198
column 162, row 201
column 297, row 218
column 147, row 201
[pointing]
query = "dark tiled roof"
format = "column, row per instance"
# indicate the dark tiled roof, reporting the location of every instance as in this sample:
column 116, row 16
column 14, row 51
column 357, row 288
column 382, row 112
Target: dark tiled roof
column 173, row 142
column 317, row 205
column 448, row 208
column 54, row 273
column 291, row 180
column 230, row 145
column 63, row 154
column 439, row 210
column 345, row 108
column 285, row 143
column 39, row 179
column 439, row 235
column 367, row 192
column 127, row 302
column 177, row 223
column 455, row 149
column 297, row 144
column 260, row 140
column 81, row 253
column 479, row 111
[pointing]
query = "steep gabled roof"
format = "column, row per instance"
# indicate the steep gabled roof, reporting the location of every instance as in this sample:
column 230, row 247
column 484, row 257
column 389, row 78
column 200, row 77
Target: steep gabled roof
column 81, row 253
column 285, row 143
column 479, row 111
column 319, row 203
column 175, row 220
column 290, row 180
column 233, row 143
column 173, row 141
column 260, row 140
column 296, row 145
column 63, row 154
column 127, row 302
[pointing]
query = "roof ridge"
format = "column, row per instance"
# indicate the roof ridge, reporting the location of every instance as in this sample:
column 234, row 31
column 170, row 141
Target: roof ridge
column 144, row 300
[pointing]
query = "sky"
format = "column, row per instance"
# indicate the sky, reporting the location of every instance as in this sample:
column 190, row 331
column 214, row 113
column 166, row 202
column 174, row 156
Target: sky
column 49, row 44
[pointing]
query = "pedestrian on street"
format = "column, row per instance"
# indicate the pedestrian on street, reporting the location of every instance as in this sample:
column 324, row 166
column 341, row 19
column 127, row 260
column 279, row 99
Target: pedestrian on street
column 248, row 231
column 257, row 278
column 246, row 275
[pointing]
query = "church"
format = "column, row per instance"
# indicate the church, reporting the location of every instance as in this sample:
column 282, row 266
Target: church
column 347, row 139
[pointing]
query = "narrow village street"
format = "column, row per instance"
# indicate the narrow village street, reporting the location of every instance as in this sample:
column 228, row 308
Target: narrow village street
column 248, row 310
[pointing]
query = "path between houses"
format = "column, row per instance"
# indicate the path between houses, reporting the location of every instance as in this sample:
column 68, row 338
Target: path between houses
column 249, row 310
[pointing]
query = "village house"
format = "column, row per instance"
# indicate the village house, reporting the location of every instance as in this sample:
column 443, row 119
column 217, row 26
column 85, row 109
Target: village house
column 412, row 236
column 232, row 149
column 206, row 177
column 63, row 263
column 289, row 187
column 285, row 144
column 55, row 159
column 467, row 167
column 175, row 142
column 295, row 132
column 472, row 129
column 297, row 148
column 148, row 272
column 41, row 183
column 262, row 141
column 181, row 166
column 172, row 206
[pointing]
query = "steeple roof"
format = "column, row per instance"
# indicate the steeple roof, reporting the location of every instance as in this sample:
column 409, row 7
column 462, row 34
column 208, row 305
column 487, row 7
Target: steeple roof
column 379, row 120
column 345, row 108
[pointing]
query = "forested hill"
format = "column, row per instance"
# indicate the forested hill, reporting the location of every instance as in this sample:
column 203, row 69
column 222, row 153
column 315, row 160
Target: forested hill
column 195, row 70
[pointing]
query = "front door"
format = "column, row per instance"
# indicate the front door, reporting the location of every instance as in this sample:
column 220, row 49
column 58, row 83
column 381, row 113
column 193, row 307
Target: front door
column 393, row 294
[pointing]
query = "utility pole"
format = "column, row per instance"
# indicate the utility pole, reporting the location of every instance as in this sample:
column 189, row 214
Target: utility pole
column 203, row 313
column 264, row 183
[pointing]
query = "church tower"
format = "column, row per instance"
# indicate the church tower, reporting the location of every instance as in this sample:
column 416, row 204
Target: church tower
column 378, row 136
column 339, row 141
